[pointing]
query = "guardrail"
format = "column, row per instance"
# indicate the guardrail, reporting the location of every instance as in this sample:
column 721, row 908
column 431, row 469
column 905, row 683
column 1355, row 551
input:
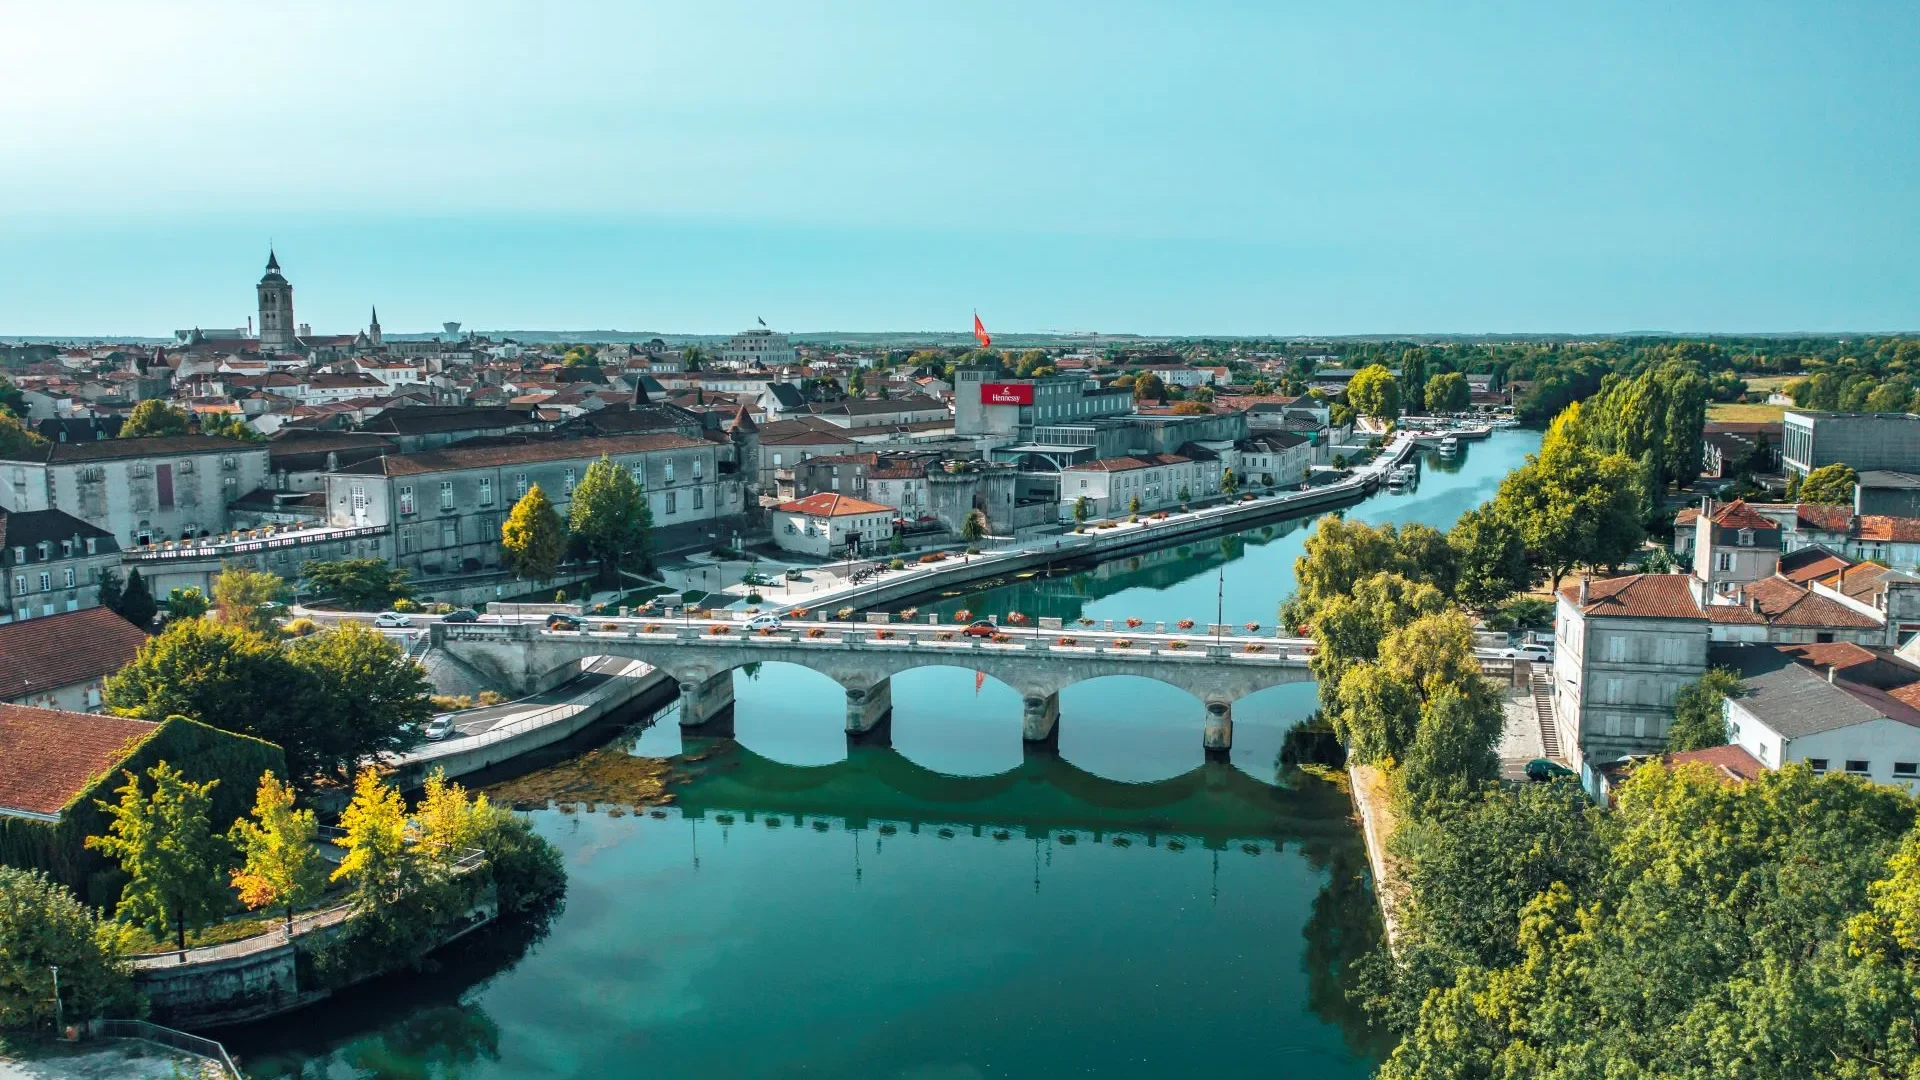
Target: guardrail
column 185, row 1042
column 222, row 548
column 544, row 716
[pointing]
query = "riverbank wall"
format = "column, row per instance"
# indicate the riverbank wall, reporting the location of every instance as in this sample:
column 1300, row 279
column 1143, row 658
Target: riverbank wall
column 1372, row 805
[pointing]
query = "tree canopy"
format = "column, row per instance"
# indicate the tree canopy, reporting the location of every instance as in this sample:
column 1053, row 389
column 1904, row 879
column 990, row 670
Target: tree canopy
column 165, row 843
column 534, row 536
column 610, row 516
column 1698, row 719
column 1831, row 485
column 1448, row 392
column 43, row 925
column 1374, row 392
column 358, row 584
column 155, row 417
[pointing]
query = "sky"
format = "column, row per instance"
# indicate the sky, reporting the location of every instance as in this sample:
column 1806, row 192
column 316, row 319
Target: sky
column 1174, row 168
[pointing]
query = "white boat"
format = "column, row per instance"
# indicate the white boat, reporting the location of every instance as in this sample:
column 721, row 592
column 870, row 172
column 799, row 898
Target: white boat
column 1401, row 476
column 1506, row 422
column 1449, row 446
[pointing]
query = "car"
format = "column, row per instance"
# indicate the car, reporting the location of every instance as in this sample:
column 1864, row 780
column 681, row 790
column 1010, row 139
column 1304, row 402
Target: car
column 766, row 620
column 391, row 619
column 1540, row 770
column 1534, row 651
column 437, row 728
column 461, row 615
column 560, row 620
column 983, row 628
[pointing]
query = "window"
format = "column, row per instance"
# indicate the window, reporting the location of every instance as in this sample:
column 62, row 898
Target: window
column 93, row 544
column 450, row 532
column 20, row 583
column 486, row 491
column 446, row 494
column 699, row 499
column 569, row 481
column 227, row 463
column 667, row 470
column 46, row 581
column 406, row 499
column 1856, row 766
column 1906, row 769
column 406, row 541
column 776, row 459
column 68, row 574
column 696, row 470
column 1616, row 648
column 519, row 485
column 66, row 549
column 669, row 502
column 1724, row 561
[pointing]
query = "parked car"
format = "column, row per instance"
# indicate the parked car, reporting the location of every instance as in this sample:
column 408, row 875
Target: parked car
column 391, row 619
column 983, row 628
column 560, row 620
column 1534, row 651
column 437, row 728
column 461, row 615
column 766, row 620
column 1540, row 770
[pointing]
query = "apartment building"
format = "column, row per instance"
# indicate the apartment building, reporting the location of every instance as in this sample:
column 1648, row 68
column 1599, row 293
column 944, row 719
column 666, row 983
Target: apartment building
column 51, row 562
column 143, row 491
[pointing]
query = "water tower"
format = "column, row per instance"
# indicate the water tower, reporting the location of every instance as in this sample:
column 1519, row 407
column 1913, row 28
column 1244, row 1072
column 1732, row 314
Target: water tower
column 452, row 328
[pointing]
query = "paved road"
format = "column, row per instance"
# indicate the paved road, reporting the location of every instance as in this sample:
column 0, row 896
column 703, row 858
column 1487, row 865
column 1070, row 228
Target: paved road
column 482, row 720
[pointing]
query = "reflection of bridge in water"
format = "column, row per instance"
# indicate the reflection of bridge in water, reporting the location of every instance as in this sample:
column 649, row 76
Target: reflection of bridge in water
column 1044, row 797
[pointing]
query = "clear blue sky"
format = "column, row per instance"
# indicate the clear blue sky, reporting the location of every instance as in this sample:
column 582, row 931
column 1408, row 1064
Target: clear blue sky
column 1179, row 168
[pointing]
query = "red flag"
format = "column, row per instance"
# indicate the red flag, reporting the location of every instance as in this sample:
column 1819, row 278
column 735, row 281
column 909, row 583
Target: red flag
column 979, row 680
column 980, row 331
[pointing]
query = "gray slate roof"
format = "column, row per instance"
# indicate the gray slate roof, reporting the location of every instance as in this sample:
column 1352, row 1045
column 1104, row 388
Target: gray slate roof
column 1797, row 701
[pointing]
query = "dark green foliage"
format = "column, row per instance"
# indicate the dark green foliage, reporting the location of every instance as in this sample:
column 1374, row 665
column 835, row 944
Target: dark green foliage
column 1698, row 718
column 137, row 605
column 358, row 584
column 42, row 924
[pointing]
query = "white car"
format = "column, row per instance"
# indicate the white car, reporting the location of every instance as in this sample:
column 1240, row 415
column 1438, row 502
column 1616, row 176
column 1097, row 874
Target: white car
column 391, row 619
column 1534, row 651
column 437, row 728
column 766, row 620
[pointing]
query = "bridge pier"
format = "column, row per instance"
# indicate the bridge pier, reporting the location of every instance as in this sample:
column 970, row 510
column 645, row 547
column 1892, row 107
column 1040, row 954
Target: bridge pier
column 868, row 708
column 1041, row 719
column 1218, row 735
column 707, row 700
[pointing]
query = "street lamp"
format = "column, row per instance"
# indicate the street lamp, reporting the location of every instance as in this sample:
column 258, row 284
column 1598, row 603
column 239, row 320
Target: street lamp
column 59, row 1010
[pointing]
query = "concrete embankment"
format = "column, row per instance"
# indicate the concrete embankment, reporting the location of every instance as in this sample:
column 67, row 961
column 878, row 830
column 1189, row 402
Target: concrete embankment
column 1372, row 804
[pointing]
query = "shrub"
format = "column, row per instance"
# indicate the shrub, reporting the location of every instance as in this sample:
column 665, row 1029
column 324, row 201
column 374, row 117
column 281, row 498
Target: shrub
column 490, row 697
column 1251, row 627
column 756, row 598
column 883, row 635
column 974, row 550
column 910, row 613
column 798, row 613
column 1086, row 622
column 609, row 627
column 1133, row 624
column 1067, row 641
column 844, row 613
column 300, row 627
column 1016, row 619
column 945, row 635
column 931, row 557
column 1001, row 639
column 650, row 628
column 896, row 564
column 1185, row 624
column 405, row 605
column 816, row 632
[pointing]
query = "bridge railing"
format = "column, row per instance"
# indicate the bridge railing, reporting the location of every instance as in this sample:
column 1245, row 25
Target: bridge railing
column 182, row 1041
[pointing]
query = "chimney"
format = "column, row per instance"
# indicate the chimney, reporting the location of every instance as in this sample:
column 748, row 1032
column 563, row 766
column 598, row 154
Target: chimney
column 1584, row 580
column 1831, row 670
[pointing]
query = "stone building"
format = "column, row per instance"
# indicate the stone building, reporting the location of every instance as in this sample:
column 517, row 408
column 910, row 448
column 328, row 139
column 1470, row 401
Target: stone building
column 51, row 562
column 142, row 491
column 1623, row 649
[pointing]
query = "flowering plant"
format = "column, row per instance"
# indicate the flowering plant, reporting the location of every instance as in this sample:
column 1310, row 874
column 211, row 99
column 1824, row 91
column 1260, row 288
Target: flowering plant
column 816, row 632
column 1016, row 619
column 1133, row 624
column 1123, row 643
column 1068, row 641
column 1176, row 644
column 1252, row 626
column 718, row 631
column 963, row 615
column 1185, row 624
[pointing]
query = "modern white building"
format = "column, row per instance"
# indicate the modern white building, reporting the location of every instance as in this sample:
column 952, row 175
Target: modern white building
column 1110, row 485
column 826, row 524
column 1798, row 713
column 758, row 348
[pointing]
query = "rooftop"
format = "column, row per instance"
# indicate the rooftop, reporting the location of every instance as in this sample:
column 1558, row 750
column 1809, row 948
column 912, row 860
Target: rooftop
column 41, row 655
column 54, row 756
column 1796, row 701
column 829, row 504
column 121, row 449
column 454, row 458
column 1637, row 596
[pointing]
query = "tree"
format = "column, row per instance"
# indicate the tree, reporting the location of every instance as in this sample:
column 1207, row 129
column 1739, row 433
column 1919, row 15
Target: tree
column 231, row 427
column 17, row 440
column 1133, row 505
column 136, row 603
column 358, row 584
column 857, row 384
column 241, row 595
column 280, row 867
column 973, row 527
column 376, row 864
column 610, row 515
column 12, row 402
column 1572, row 504
column 1698, row 718
column 448, row 823
column 1490, row 556
column 1380, row 704
column 155, row 417
column 1185, row 496
column 1149, row 387
column 1831, row 485
column 1374, row 392
column 187, row 603
column 1229, row 483
column 43, row 926
column 533, row 536
column 1413, row 376
column 166, row 845
column 369, row 697
column 110, row 589
column 1448, row 392
column 1082, row 509
column 1191, row 408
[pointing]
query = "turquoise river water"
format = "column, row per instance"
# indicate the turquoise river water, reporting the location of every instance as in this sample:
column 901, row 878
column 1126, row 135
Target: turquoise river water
column 947, row 907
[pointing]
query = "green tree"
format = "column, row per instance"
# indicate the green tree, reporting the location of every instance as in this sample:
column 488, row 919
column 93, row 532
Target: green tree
column 1229, row 483
column 17, row 440
column 187, row 603
column 1150, row 387
column 610, row 515
column 358, row 584
column 533, row 536
column 231, row 427
column 43, row 926
column 1831, row 485
column 166, row 845
column 1491, row 558
column 1185, row 496
column 241, row 595
column 1133, row 505
column 1573, row 505
column 280, row 866
column 1413, row 376
column 155, row 417
column 1082, row 509
column 136, row 603
column 13, row 403
column 1448, row 392
column 377, row 863
column 1698, row 719
column 369, row 697
column 1374, row 392
column 1380, row 703
column 448, row 823
column 973, row 527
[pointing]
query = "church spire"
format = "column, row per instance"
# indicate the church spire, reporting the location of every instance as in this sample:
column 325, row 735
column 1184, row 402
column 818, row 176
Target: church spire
column 273, row 261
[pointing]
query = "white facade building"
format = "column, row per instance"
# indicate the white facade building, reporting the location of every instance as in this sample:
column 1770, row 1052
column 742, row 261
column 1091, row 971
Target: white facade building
column 1110, row 485
column 141, row 490
column 758, row 348
column 1799, row 714
column 823, row 525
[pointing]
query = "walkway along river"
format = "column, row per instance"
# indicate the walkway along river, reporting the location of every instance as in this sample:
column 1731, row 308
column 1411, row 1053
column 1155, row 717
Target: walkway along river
column 951, row 905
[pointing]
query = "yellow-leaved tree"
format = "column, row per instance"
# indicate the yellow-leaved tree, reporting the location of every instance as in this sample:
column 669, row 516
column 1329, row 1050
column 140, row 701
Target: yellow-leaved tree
column 282, row 867
column 376, row 863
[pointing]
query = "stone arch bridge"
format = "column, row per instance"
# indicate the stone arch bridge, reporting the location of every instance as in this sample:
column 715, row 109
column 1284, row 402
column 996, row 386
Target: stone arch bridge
column 701, row 654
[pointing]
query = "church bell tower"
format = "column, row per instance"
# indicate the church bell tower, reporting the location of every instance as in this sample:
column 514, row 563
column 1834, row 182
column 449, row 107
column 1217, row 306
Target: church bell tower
column 276, row 309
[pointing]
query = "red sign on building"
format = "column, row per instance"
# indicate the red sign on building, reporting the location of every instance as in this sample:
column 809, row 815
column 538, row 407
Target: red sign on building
column 1006, row 393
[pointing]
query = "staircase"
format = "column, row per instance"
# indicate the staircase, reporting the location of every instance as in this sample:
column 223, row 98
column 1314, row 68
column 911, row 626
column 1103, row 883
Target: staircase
column 421, row 643
column 1542, row 688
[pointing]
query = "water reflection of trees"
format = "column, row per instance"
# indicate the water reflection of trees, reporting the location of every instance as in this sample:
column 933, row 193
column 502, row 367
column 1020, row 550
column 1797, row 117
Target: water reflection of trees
column 411, row 1026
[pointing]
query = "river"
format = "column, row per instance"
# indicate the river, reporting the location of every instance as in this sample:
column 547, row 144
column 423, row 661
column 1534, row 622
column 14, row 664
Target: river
column 946, row 907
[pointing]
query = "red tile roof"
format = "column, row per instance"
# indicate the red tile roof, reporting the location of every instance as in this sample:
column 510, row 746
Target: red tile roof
column 1824, row 518
column 828, row 504
column 53, row 756
column 1686, row 517
column 1129, row 463
column 1898, row 530
column 38, row 656
column 1785, row 604
column 1639, row 596
column 1732, row 763
column 1738, row 515
column 1811, row 564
